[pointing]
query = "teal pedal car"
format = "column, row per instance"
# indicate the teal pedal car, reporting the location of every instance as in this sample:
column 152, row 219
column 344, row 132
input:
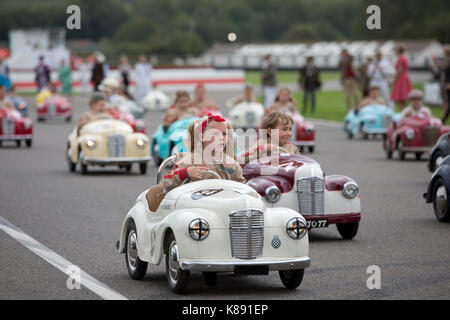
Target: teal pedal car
column 372, row 120
column 167, row 143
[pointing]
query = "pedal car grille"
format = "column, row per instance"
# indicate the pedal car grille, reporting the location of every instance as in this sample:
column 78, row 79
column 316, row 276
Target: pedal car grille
column 51, row 109
column 311, row 196
column 116, row 145
column 8, row 126
column 387, row 120
column 247, row 234
column 250, row 118
column 431, row 135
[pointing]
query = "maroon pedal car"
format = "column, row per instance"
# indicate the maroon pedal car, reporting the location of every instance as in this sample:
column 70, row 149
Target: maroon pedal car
column 303, row 133
column 137, row 124
column 54, row 107
column 299, row 183
column 414, row 134
column 14, row 127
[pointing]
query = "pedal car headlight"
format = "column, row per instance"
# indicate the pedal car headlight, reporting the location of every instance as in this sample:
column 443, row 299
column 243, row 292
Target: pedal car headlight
column 410, row 134
column 350, row 190
column 199, row 229
column 296, row 228
column 91, row 143
column 141, row 143
column 27, row 125
column 272, row 194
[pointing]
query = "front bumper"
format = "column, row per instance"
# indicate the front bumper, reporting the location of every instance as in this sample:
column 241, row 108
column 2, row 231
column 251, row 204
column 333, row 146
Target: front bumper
column 47, row 116
column 115, row 161
column 230, row 266
column 336, row 218
column 16, row 137
column 416, row 149
column 303, row 143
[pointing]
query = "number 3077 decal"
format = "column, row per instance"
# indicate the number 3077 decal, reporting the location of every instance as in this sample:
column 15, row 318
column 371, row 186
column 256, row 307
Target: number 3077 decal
column 317, row 223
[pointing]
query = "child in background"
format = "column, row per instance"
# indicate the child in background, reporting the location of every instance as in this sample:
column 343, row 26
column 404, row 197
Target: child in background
column 284, row 102
column 182, row 108
column 211, row 147
column 277, row 123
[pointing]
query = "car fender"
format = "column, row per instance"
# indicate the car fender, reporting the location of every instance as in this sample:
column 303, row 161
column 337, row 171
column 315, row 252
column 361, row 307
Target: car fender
column 442, row 172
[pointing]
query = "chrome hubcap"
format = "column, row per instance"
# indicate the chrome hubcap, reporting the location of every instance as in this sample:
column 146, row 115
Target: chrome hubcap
column 438, row 161
column 132, row 250
column 441, row 199
column 174, row 266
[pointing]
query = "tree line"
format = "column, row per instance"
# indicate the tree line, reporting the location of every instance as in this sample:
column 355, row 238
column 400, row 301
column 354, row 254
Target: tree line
column 188, row 27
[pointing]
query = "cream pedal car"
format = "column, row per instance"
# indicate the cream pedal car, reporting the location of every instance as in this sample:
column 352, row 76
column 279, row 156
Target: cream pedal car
column 212, row 226
column 107, row 142
column 246, row 115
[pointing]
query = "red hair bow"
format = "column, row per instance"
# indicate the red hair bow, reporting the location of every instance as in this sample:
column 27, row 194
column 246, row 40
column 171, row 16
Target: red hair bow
column 211, row 116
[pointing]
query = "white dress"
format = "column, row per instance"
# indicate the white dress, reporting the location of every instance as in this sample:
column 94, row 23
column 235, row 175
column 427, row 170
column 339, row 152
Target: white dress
column 143, row 79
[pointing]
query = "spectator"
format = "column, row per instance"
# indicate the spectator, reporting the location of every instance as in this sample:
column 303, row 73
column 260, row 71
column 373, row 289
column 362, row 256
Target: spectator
column 65, row 77
column 143, row 71
column 364, row 78
column 4, row 73
column 402, row 83
column 98, row 73
column 378, row 71
column 201, row 101
column 269, row 81
column 444, row 68
column 309, row 82
column 284, row 102
column 125, row 70
column 42, row 72
column 349, row 80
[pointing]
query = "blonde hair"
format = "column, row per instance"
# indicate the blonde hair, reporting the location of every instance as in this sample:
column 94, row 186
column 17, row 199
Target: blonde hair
column 291, row 99
column 181, row 94
column 193, row 133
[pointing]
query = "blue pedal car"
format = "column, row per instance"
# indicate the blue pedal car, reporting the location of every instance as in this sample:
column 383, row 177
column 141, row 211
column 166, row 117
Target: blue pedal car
column 372, row 119
column 166, row 143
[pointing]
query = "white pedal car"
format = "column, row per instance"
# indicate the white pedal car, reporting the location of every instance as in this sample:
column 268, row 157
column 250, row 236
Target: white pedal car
column 212, row 226
column 246, row 115
column 156, row 100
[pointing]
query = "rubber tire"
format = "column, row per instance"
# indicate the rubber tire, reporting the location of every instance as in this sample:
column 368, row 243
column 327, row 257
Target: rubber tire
column 291, row 279
column 156, row 159
column 446, row 216
column 128, row 167
column 348, row 230
column 311, row 149
column 183, row 276
column 69, row 119
column 83, row 168
column 18, row 143
column 141, row 266
column 29, row 143
column 435, row 155
column 401, row 154
column 387, row 150
column 143, row 167
column 419, row 155
column 72, row 166
column 210, row 278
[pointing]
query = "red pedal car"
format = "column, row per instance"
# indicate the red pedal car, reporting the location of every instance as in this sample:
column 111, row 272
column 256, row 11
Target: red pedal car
column 54, row 107
column 415, row 134
column 14, row 127
column 303, row 133
column 136, row 124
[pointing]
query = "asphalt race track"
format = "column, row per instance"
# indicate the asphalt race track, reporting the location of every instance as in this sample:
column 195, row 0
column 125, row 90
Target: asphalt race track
column 78, row 219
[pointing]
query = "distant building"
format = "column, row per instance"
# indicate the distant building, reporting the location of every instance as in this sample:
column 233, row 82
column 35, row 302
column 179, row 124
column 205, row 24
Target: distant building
column 327, row 54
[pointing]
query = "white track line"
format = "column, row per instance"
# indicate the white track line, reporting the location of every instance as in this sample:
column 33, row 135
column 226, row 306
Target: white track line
column 59, row 262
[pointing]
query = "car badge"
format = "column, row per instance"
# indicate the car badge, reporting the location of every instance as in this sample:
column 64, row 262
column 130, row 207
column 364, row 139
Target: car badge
column 205, row 193
column 276, row 242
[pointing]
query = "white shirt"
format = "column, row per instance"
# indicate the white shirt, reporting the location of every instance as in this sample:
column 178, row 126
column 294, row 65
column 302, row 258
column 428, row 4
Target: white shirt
column 379, row 70
column 422, row 112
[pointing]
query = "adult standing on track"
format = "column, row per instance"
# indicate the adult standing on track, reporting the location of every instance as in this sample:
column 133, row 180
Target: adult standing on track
column 349, row 80
column 269, row 80
column 42, row 74
column 125, row 70
column 143, row 78
column 98, row 73
column 378, row 72
column 4, row 72
column 444, row 68
column 402, row 84
column 65, row 77
column 309, row 82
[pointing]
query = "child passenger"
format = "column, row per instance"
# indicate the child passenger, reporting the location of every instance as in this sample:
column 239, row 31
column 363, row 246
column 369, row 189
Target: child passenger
column 277, row 124
column 181, row 109
column 284, row 102
column 211, row 145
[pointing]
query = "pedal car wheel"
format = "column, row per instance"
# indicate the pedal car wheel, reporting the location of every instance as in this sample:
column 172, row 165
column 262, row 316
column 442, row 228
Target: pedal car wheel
column 72, row 166
column 387, row 149
column 401, row 154
column 143, row 167
column 440, row 201
column 291, row 279
column 128, row 167
column 69, row 119
column 311, row 149
column 156, row 159
column 418, row 155
column 84, row 168
column 436, row 160
column 18, row 143
column 29, row 143
column 210, row 278
column 178, row 279
column 348, row 230
column 135, row 266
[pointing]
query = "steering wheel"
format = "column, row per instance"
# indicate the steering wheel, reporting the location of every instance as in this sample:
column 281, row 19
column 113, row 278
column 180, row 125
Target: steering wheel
column 215, row 174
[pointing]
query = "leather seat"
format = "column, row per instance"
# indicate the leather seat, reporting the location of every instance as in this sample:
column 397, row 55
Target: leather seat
column 155, row 196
